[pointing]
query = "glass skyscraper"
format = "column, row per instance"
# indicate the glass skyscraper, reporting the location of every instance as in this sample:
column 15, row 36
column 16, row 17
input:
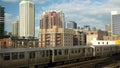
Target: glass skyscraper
column 2, row 21
column 72, row 25
column 115, row 20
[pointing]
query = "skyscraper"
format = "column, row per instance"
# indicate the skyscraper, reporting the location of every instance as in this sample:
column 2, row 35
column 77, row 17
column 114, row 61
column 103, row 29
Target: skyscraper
column 62, row 16
column 2, row 16
column 15, row 28
column 52, row 30
column 115, row 20
column 27, row 19
column 50, row 19
column 108, row 28
column 72, row 25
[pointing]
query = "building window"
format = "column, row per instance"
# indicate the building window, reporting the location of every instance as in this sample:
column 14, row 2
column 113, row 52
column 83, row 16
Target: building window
column 7, row 56
column 14, row 55
column 92, row 33
column 107, row 42
column 98, row 42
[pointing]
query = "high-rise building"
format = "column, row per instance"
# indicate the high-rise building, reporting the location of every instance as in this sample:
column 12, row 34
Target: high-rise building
column 86, row 28
column 72, row 25
column 27, row 19
column 15, row 28
column 108, row 29
column 54, row 37
column 62, row 19
column 2, row 16
column 50, row 19
column 115, row 20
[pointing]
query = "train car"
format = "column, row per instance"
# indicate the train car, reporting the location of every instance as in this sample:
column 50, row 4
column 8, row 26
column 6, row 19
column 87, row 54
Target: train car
column 103, row 50
column 23, row 57
column 118, row 49
column 80, row 52
column 60, row 54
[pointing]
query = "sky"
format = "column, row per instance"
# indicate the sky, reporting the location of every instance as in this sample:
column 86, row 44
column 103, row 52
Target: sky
column 96, row 13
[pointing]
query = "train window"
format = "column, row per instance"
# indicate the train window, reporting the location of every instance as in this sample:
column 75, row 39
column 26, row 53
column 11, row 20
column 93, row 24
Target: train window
column 97, row 50
column 40, row 52
column 83, row 50
column 60, row 52
column 32, row 55
column 66, row 52
column 88, row 49
column 72, row 51
column 47, row 53
column 78, row 50
column 43, row 53
column 14, row 55
column 21, row 55
column 6, row 56
column 55, row 52
column 101, row 49
column 111, row 48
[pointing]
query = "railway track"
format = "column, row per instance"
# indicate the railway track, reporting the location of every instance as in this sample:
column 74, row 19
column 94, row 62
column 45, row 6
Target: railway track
column 85, row 64
column 108, row 62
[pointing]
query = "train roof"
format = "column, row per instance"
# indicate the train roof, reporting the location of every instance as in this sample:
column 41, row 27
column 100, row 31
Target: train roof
column 58, row 47
column 69, row 47
column 101, row 45
column 21, row 49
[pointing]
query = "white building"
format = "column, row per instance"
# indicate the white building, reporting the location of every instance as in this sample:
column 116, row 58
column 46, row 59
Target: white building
column 15, row 28
column 102, row 42
column 27, row 19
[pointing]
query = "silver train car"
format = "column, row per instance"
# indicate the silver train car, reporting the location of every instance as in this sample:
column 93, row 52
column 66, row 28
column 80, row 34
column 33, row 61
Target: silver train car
column 74, row 53
column 37, row 57
column 69, row 53
column 23, row 57
column 104, row 50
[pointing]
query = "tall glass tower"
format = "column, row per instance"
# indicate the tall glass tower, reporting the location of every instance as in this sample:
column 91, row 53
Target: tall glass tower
column 2, row 16
column 115, row 20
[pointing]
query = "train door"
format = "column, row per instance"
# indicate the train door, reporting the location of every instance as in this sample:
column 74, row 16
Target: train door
column 51, row 56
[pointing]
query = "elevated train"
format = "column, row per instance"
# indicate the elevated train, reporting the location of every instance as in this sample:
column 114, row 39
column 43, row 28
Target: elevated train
column 36, row 57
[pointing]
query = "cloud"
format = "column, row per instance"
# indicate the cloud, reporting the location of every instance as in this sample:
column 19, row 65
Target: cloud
column 35, row 1
column 12, row 1
column 9, row 18
column 87, row 11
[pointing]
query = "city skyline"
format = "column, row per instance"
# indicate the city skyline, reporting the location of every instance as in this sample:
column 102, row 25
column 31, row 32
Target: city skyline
column 81, row 11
